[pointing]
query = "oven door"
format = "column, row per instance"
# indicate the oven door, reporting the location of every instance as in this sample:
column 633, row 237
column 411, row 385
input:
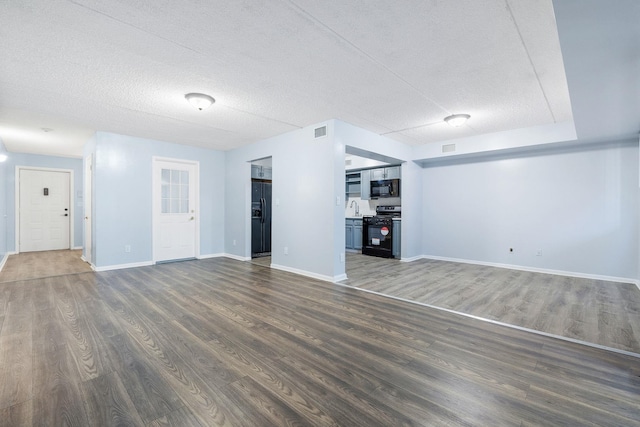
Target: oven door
column 377, row 238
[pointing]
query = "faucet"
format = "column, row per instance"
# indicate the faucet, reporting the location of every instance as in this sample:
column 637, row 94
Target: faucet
column 357, row 213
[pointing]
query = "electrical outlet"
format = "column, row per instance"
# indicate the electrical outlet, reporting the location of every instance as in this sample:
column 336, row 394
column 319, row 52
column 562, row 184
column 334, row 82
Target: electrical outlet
column 127, row 248
column 286, row 250
column 342, row 257
column 234, row 242
column 539, row 252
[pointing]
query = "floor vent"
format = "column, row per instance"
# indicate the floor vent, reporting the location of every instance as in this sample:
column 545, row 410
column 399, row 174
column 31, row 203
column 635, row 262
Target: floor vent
column 449, row 148
column 321, row 132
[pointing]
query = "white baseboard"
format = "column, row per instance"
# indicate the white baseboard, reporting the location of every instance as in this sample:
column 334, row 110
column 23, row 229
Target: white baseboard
column 535, row 269
column 75, row 248
column 236, row 257
column 411, row 259
column 93, row 267
column 4, row 261
column 207, row 256
column 332, row 279
column 122, row 266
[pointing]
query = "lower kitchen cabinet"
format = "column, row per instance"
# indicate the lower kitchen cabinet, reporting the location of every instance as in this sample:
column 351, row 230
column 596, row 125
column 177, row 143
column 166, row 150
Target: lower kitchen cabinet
column 353, row 234
column 357, row 234
column 395, row 239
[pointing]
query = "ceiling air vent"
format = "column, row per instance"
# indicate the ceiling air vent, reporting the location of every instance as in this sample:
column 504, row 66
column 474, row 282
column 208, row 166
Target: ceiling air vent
column 449, row 148
column 321, row 132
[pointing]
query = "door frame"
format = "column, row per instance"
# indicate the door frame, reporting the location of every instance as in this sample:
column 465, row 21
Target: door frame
column 17, row 201
column 88, row 210
column 155, row 201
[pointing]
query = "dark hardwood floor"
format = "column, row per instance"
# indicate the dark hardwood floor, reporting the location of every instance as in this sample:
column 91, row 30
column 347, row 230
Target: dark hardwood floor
column 222, row 342
column 595, row 311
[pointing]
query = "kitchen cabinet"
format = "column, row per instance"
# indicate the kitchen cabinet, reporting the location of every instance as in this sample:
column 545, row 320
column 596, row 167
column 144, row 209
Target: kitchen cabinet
column 357, row 234
column 352, row 184
column 365, row 188
column 395, row 239
column 353, row 234
column 392, row 172
column 261, row 172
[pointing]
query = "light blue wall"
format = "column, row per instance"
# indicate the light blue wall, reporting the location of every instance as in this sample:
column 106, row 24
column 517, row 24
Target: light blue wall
column 308, row 178
column 20, row 159
column 123, row 198
column 578, row 205
column 3, row 204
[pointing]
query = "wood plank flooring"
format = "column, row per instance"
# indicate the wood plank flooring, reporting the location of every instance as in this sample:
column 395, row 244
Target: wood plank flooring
column 219, row 342
column 34, row 265
column 595, row 311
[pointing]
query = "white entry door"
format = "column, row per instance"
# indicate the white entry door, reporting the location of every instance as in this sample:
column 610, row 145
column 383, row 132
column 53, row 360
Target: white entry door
column 45, row 215
column 175, row 214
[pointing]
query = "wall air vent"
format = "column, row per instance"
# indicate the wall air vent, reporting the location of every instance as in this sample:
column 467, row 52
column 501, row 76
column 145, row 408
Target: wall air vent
column 449, row 148
column 320, row 132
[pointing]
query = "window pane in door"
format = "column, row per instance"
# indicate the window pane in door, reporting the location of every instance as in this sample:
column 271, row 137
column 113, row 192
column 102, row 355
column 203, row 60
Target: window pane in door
column 175, row 191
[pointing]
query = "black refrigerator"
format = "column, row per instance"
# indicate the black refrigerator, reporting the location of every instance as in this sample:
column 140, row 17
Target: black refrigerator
column 260, row 218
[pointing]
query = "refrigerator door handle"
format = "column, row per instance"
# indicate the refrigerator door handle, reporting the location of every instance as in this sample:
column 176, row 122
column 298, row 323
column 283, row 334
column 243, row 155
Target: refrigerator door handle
column 263, row 209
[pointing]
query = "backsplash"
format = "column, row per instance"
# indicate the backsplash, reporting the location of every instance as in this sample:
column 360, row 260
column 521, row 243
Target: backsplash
column 367, row 207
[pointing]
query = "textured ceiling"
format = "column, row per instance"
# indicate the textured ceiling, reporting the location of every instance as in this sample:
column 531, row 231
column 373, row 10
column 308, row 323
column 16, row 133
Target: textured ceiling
column 395, row 68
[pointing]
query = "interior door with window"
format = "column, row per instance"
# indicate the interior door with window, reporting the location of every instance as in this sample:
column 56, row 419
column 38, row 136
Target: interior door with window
column 175, row 219
column 44, row 210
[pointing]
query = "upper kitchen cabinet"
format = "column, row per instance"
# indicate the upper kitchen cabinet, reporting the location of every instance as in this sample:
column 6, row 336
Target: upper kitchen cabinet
column 392, row 172
column 365, row 189
column 261, row 172
column 352, row 184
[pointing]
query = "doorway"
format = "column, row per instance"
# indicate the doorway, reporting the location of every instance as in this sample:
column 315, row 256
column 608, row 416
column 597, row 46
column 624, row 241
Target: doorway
column 44, row 208
column 175, row 210
column 261, row 209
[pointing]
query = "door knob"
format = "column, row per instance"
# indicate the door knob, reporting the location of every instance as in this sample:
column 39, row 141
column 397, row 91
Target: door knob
column 191, row 219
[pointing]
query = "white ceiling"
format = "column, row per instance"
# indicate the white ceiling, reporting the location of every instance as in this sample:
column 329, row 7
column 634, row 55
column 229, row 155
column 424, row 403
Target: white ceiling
column 395, row 68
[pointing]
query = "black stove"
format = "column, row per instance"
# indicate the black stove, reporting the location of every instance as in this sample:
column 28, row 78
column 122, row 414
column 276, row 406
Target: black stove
column 377, row 232
column 388, row 211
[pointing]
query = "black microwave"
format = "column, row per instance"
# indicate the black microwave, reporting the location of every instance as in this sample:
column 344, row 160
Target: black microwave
column 385, row 188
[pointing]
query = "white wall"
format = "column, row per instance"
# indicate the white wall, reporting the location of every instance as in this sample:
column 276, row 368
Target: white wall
column 308, row 178
column 579, row 206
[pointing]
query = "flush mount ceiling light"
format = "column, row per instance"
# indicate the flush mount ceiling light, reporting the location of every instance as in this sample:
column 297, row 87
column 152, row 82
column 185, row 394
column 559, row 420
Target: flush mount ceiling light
column 457, row 120
column 200, row 100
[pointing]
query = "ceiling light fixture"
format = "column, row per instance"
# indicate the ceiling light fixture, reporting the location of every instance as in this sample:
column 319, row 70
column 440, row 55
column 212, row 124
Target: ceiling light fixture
column 200, row 100
column 457, row 120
